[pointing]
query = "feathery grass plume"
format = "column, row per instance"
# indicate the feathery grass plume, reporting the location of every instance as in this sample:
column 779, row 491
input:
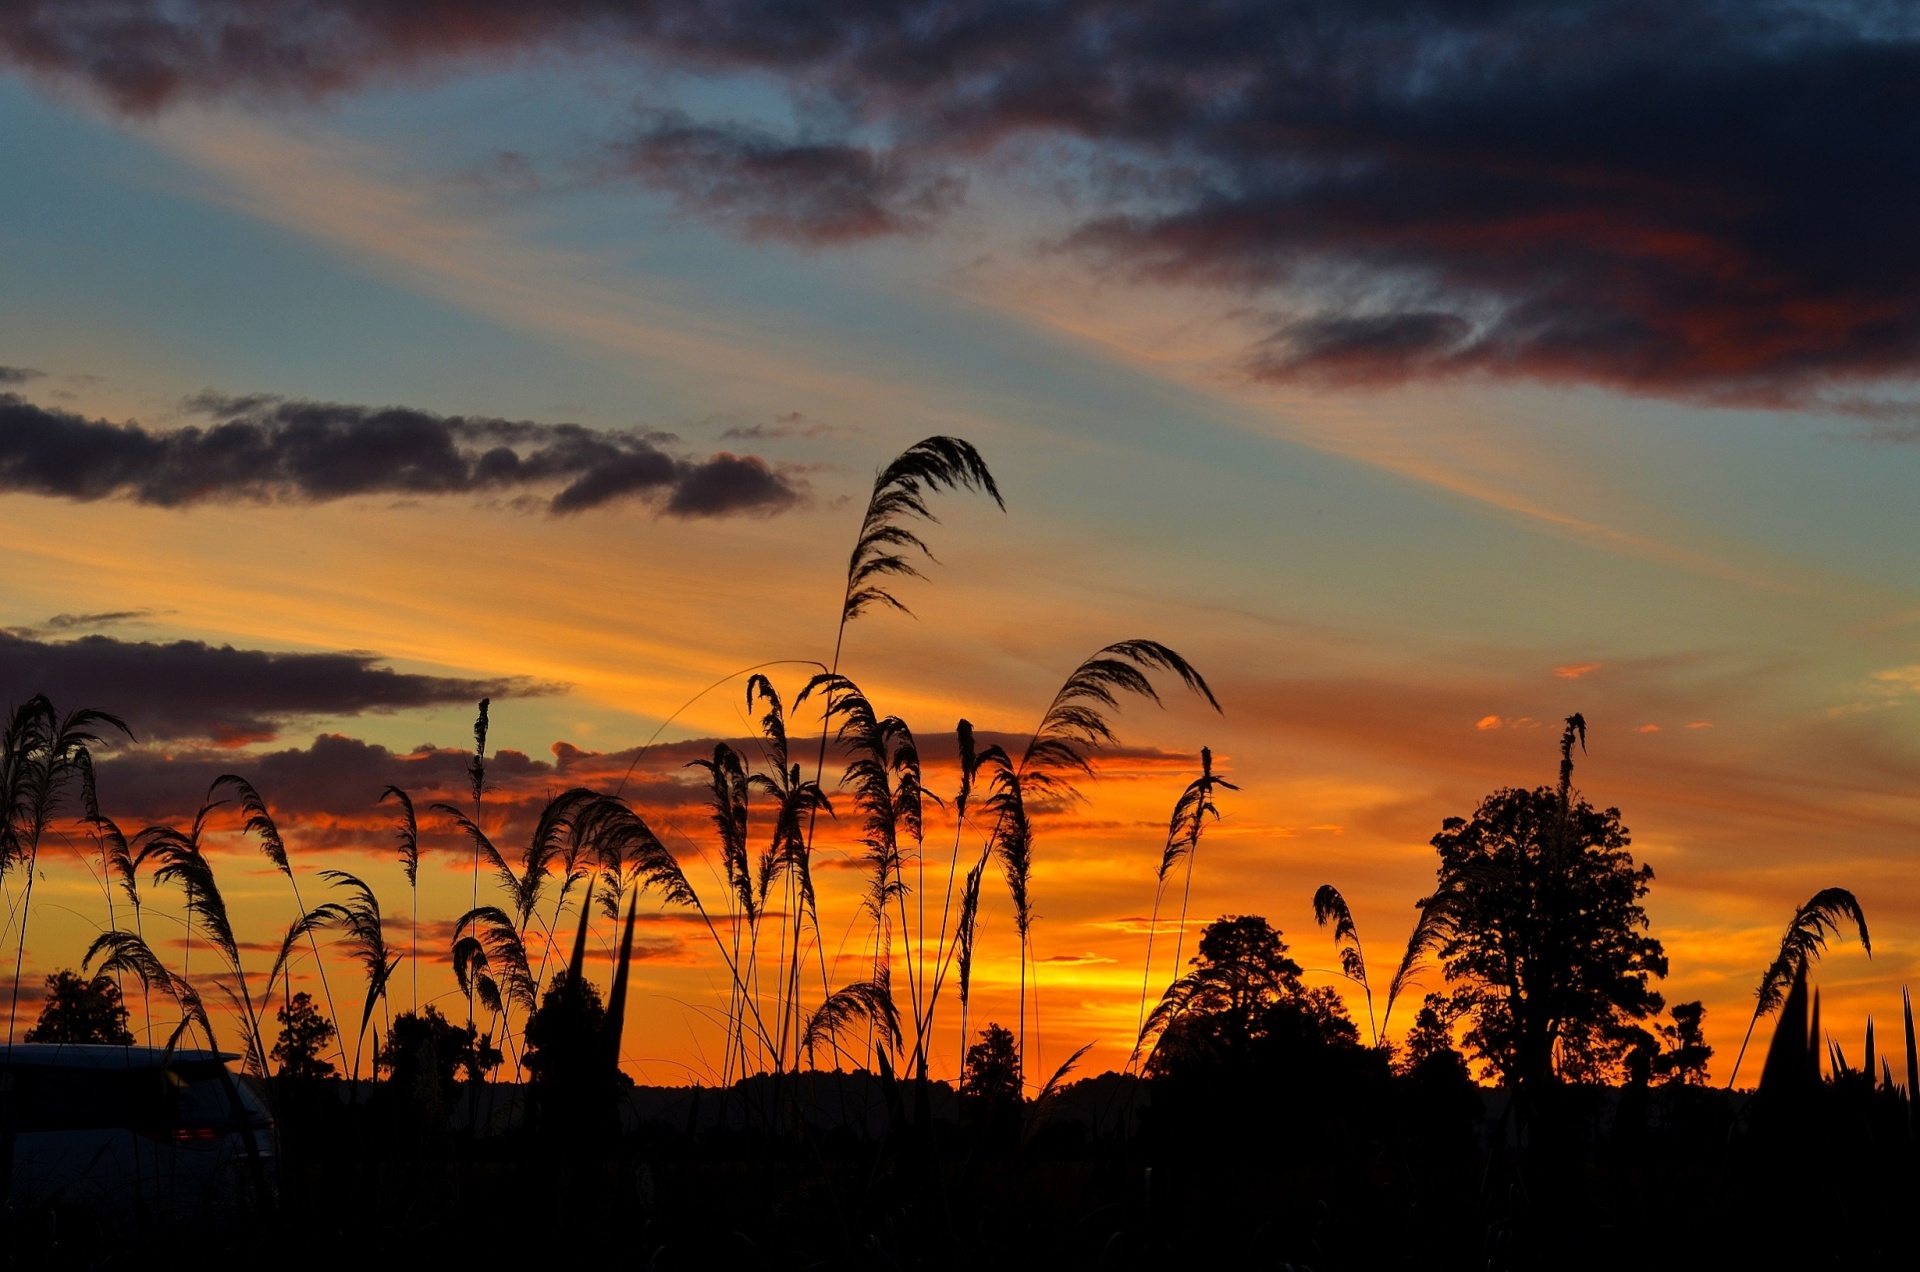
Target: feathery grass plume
column 773, row 733
column 1043, row 1100
column 358, row 917
column 41, row 755
column 1172, row 1005
column 884, row 771
column 1576, row 727
column 789, row 853
column 408, row 835
column 472, row 971
column 127, row 954
column 883, row 551
column 477, row 766
column 116, row 862
column 1439, row 917
column 547, row 842
column 1804, row 941
column 300, row 929
column 870, row 1001
column 884, row 548
column 1189, row 818
column 963, row 934
column 727, row 794
column 182, row 861
column 623, row 842
column 1011, row 844
column 1075, row 722
column 578, row 862
column 1329, row 905
column 477, row 781
column 1074, row 725
column 259, row 821
column 116, row 865
column 726, row 798
column 969, row 769
column 506, row 979
column 273, row 846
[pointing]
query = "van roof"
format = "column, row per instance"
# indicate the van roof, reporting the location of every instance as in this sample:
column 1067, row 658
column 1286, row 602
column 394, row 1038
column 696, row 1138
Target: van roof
column 76, row 1055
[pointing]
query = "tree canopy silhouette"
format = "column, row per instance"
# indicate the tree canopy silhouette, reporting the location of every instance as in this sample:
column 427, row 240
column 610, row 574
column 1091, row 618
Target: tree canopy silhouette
column 1243, row 989
column 80, row 1010
column 1544, row 934
column 304, row 1033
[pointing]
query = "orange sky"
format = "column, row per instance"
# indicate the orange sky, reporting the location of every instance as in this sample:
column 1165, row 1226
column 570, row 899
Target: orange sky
column 1396, row 593
column 1349, row 747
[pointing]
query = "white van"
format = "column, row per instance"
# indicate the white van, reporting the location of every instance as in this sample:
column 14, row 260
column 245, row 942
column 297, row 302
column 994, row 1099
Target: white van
column 131, row 1135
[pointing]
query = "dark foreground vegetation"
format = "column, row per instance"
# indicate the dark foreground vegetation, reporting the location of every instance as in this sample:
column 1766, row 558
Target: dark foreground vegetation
column 1545, row 1108
column 1279, row 1144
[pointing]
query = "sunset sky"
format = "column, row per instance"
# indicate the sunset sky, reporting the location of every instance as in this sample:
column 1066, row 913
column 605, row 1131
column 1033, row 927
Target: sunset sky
column 1421, row 376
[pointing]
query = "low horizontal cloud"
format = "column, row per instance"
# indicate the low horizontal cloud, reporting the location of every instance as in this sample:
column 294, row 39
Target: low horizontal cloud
column 189, row 689
column 68, row 624
column 792, row 424
column 326, row 795
column 1690, row 198
column 805, row 192
column 268, row 448
column 17, row 375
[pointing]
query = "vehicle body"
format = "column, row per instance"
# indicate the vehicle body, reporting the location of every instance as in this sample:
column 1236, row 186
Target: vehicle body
column 131, row 1135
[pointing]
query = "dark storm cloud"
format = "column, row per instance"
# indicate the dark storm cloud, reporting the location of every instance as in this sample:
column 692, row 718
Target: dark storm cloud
column 189, row 689
column 1694, row 198
column 266, row 448
column 766, row 188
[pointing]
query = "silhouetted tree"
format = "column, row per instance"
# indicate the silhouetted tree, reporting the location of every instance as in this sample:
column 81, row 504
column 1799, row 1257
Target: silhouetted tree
column 423, row 1054
column 303, row 1033
column 1545, row 935
column 1243, row 985
column 81, row 1010
column 575, row 1084
column 1430, row 1048
column 990, row 1080
column 1685, row 1059
column 1253, row 1066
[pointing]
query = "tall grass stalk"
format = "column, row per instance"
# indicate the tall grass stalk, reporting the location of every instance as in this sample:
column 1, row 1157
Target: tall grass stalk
column 358, row 918
column 887, row 548
column 477, row 783
column 1184, row 827
column 273, row 846
column 181, row 859
column 41, row 753
column 1330, row 906
column 1803, row 942
column 407, row 833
